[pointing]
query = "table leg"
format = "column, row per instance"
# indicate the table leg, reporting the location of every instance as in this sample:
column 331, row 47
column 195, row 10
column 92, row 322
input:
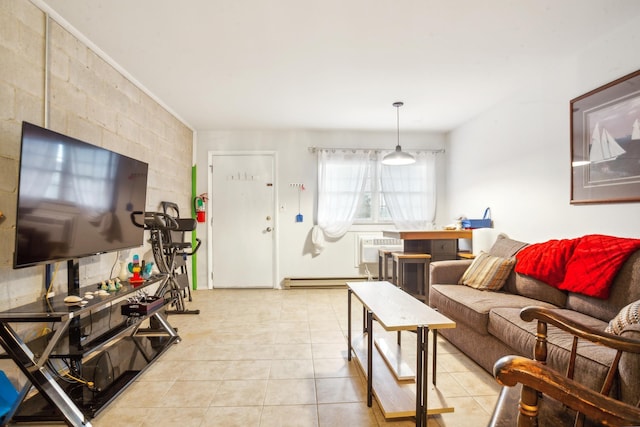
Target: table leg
column 364, row 320
column 369, row 358
column 349, row 324
column 422, row 356
column 165, row 325
column 41, row 377
column 419, row 367
column 435, row 352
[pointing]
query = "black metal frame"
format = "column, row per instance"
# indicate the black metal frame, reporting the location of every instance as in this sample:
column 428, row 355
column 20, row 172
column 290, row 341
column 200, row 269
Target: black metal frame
column 166, row 252
column 41, row 375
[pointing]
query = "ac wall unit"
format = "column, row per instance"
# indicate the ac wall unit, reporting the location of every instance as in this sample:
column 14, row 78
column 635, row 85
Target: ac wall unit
column 369, row 247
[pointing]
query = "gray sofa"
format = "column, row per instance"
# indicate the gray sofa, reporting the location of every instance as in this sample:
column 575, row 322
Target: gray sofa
column 489, row 324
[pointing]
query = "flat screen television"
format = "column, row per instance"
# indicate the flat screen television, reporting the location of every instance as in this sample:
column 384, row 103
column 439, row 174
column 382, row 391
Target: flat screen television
column 74, row 199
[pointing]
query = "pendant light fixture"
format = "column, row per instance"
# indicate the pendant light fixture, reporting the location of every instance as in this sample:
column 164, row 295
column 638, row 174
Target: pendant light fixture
column 398, row 157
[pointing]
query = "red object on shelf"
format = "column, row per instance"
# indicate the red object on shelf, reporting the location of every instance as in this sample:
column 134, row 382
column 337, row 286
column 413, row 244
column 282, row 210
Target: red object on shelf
column 136, row 278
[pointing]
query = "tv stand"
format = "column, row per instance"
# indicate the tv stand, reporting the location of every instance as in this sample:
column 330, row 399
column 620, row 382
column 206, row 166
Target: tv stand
column 88, row 339
column 73, row 277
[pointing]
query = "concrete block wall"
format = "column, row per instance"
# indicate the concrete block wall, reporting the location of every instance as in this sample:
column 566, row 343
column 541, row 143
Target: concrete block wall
column 76, row 92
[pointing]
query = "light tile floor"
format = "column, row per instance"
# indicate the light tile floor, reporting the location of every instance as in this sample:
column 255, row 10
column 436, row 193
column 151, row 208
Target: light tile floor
column 279, row 358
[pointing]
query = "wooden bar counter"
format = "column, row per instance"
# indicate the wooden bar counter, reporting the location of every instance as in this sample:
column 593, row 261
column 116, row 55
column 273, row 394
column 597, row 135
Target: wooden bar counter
column 440, row 244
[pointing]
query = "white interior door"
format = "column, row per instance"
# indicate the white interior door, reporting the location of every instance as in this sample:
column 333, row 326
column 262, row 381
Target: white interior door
column 242, row 206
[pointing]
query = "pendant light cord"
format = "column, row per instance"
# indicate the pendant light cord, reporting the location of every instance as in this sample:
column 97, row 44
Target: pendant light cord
column 398, row 105
column 398, row 122
column 398, row 157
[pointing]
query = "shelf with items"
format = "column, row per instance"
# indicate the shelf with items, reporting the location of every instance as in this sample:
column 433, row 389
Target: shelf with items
column 90, row 355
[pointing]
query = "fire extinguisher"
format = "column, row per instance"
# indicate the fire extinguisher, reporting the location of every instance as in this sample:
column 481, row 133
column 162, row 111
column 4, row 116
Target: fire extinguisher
column 199, row 208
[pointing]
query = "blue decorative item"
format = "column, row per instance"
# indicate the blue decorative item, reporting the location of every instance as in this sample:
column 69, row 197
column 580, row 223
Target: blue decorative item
column 8, row 397
column 146, row 269
column 299, row 217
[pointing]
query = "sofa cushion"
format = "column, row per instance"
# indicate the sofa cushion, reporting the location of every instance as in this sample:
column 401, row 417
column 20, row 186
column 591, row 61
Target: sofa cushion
column 537, row 289
column 592, row 361
column 487, row 272
column 629, row 315
column 448, row 271
column 629, row 368
column 624, row 290
column 471, row 306
column 505, row 247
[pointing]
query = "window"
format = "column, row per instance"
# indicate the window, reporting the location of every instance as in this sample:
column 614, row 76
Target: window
column 373, row 208
column 341, row 179
column 354, row 187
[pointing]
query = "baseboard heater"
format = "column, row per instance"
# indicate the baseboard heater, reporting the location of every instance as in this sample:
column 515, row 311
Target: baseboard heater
column 321, row 282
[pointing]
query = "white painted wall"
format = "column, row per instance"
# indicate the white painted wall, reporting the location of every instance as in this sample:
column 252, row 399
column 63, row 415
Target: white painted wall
column 297, row 165
column 516, row 156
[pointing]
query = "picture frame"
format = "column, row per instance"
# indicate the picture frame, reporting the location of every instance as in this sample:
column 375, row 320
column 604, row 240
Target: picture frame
column 605, row 143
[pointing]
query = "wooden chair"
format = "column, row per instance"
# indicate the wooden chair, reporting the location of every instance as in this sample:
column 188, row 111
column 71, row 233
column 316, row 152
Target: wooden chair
column 533, row 390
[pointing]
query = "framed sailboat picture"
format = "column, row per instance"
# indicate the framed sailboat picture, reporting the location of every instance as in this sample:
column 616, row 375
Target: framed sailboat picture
column 605, row 143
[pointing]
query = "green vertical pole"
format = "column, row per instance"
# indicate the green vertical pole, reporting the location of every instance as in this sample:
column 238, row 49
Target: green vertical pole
column 194, row 257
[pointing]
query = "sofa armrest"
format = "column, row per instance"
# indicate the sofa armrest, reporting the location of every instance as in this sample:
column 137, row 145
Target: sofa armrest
column 629, row 367
column 448, row 272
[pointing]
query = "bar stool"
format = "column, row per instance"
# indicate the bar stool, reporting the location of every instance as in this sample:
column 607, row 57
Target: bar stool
column 384, row 255
column 465, row 255
column 400, row 260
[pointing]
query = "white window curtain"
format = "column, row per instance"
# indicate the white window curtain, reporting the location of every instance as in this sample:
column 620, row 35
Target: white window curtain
column 341, row 181
column 410, row 192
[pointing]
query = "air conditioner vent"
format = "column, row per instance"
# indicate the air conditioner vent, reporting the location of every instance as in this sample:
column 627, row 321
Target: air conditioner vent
column 369, row 247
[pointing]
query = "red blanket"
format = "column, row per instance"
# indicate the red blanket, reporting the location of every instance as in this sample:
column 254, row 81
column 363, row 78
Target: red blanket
column 586, row 265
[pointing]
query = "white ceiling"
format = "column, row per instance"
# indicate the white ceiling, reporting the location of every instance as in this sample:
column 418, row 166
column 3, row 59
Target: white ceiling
column 338, row 64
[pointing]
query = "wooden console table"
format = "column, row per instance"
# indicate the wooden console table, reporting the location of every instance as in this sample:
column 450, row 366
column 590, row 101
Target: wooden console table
column 441, row 244
column 387, row 375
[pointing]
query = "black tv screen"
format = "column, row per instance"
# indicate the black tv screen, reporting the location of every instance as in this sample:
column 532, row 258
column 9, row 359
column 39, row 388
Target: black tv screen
column 74, row 199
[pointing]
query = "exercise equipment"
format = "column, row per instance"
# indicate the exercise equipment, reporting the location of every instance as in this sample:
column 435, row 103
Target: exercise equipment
column 170, row 252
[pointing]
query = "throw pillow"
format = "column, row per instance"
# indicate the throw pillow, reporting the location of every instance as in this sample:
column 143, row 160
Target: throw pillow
column 487, row 272
column 629, row 315
column 505, row 247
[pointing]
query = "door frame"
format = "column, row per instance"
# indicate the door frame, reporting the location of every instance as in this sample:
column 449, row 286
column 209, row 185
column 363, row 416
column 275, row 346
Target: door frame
column 276, row 233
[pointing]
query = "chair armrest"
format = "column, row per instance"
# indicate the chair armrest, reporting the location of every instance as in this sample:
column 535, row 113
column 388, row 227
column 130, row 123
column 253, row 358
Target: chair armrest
column 447, row 272
column 510, row 370
column 556, row 319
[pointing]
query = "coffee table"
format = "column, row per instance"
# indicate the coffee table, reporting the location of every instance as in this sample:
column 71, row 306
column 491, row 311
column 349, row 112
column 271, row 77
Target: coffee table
column 396, row 310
